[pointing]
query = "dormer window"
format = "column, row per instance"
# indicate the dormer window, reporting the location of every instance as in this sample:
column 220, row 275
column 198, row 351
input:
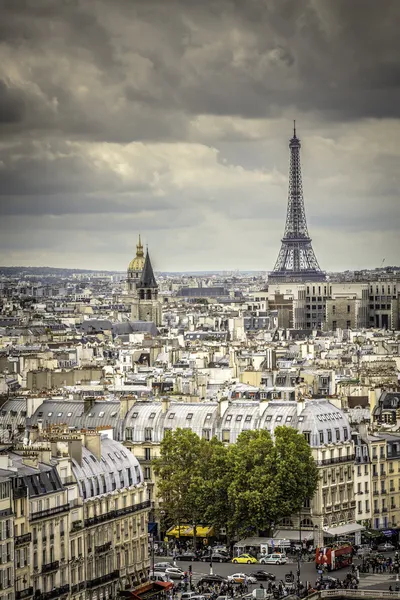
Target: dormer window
column 229, row 418
column 239, row 418
column 171, row 416
column 189, row 416
column 279, row 418
column 248, row 418
column 134, row 415
column 208, row 416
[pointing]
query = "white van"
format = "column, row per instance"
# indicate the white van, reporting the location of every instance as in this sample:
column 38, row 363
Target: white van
column 158, row 576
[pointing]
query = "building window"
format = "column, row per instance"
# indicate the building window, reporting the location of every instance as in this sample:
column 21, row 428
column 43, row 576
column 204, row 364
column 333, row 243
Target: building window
column 334, row 325
column 148, row 434
column 147, row 453
column 345, row 433
column 307, row 435
column 348, row 308
column 321, row 437
column 226, row 435
column 329, row 435
column 206, row 434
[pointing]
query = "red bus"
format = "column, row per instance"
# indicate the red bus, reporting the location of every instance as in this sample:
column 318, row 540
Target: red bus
column 334, row 557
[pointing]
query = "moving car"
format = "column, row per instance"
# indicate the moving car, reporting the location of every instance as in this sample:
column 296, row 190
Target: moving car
column 241, row 577
column 187, row 556
column 158, row 576
column 386, row 547
column 244, row 559
column 263, row 575
column 216, row 557
column 174, row 573
column 274, row 559
column 161, row 566
column 212, row 579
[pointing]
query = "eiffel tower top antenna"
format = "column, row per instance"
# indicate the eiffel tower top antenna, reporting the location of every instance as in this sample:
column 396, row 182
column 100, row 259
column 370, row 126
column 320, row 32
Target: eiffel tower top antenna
column 294, row 127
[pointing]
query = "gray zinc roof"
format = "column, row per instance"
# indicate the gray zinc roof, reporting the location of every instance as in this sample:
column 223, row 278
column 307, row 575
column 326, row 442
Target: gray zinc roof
column 77, row 413
column 117, row 469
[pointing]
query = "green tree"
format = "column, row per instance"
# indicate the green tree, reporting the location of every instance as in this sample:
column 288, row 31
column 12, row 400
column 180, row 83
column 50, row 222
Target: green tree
column 270, row 479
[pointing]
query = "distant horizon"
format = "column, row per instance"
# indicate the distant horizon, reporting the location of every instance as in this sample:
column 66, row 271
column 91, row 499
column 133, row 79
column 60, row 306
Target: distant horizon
column 188, row 271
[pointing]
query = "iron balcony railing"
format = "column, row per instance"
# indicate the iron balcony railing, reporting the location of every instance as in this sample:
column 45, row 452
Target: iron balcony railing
column 49, row 512
column 53, row 566
column 337, row 460
column 115, row 514
column 103, row 548
column 26, row 593
column 20, row 540
column 98, row 581
column 56, row 593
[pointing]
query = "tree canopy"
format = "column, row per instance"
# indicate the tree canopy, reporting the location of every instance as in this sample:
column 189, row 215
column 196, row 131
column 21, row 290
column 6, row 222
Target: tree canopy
column 250, row 485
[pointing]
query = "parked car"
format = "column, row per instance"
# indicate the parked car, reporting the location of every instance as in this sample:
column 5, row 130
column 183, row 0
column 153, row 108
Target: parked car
column 263, row 575
column 241, row 577
column 174, row 573
column 212, row 579
column 189, row 556
column 274, row 559
column 244, row 559
column 386, row 547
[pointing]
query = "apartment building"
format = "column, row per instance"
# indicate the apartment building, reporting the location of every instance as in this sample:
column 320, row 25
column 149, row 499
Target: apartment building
column 7, row 575
column 73, row 517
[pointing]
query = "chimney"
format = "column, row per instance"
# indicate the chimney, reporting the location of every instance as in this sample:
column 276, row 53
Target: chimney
column 301, row 404
column 92, row 441
column 75, row 449
column 126, row 403
column 88, row 403
column 30, row 459
column 165, row 404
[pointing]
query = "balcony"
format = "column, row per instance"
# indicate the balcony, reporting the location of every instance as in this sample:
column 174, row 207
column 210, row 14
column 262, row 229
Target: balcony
column 375, row 493
column 337, row 460
column 375, row 475
column 103, row 548
column 103, row 580
column 61, row 591
column 383, row 474
column 383, row 492
column 352, row 503
column 44, row 514
column 76, row 526
column 53, row 566
column 115, row 514
column 26, row 593
column 78, row 587
column 376, row 511
column 20, row 540
column 393, row 507
column 384, row 510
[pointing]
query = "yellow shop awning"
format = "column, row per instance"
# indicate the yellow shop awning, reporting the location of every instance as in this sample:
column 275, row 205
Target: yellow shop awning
column 202, row 531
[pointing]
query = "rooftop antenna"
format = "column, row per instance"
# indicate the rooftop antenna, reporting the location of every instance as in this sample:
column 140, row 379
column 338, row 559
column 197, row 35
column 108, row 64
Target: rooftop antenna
column 294, row 127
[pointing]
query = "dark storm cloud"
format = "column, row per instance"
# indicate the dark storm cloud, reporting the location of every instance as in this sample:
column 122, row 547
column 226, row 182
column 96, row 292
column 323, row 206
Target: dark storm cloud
column 159, row 115
column 251, row 58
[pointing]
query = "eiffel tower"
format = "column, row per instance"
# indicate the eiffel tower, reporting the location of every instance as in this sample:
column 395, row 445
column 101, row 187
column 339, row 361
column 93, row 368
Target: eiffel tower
column 296, row 260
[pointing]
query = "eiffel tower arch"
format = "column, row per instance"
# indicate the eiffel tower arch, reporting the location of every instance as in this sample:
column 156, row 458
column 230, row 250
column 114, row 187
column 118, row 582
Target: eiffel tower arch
column 296, row 259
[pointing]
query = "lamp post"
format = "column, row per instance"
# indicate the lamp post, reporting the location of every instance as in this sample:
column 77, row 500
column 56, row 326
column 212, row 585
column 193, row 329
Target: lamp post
column 152, row 554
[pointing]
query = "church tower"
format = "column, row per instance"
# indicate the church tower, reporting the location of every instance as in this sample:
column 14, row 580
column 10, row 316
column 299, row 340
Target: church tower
column 135, row 269
column 144, row 294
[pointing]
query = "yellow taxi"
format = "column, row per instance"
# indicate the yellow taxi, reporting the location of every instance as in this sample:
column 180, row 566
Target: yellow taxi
column 244, row 559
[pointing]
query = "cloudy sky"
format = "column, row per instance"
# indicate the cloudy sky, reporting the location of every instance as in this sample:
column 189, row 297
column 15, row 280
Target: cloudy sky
column 172, row 117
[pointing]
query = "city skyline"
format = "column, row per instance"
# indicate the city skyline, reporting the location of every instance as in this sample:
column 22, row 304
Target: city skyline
column 172, row 119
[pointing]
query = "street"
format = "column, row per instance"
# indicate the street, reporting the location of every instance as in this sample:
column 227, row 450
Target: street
column 307, row 572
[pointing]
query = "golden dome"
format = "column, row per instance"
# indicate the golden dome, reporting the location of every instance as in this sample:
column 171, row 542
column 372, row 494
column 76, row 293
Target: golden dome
column 137, row 263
